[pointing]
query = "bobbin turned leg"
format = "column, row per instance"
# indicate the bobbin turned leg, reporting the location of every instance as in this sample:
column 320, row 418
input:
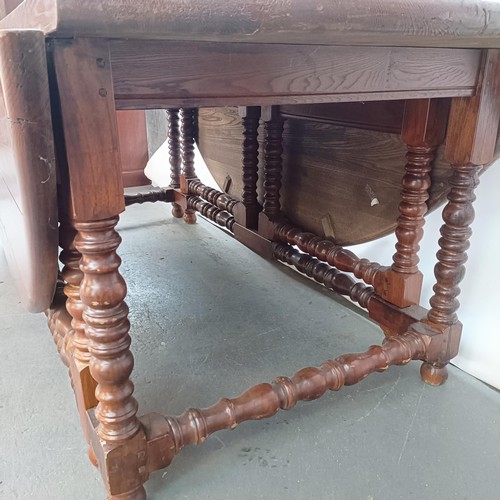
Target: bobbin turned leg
column 424, row 127
column 273, row 164
column 105, row 314
column 174, row 150
column 247, row 211
column 470, row 144
column 188, row 171
column 450, row 269
column 92, row 193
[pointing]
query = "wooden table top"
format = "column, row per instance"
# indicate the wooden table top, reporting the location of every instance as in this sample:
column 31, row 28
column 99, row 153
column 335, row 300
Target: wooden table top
column 417, row 23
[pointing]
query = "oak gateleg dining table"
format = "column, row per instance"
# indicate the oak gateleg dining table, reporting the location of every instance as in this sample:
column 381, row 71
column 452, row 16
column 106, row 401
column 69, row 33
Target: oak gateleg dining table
column 66, row 67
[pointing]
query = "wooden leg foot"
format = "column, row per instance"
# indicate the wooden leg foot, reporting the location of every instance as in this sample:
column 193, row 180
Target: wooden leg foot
column 433, row 374
column 137, row 494
column 177, row 211
column 189, row 216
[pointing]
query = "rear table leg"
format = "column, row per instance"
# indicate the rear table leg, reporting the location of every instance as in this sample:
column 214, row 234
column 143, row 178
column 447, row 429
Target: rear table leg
column 188, row 171
column 470, row 144
column 174, row 150
column 273, row 165
column 424, row 127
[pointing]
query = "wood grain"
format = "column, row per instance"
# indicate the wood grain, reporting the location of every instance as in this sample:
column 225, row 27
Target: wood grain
column 424, row 129
column 474, row 122
column 431, row 23
column 28, row 201
column 133, row 147
column 85, row 91
column 206, row 74
column 328, row 169
column 384, row 116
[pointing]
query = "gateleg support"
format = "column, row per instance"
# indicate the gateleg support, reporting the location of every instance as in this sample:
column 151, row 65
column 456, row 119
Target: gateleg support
column 423, row 130
column 246, row 212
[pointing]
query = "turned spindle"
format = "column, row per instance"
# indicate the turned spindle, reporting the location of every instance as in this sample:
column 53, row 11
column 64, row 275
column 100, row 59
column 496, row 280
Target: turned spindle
column 247, row 213
column 454, row 242
column 265, row 400
column 75, row 341
column 72, row 276
column 273, row 163
column 212, row 212
column 424, row 127
column 329, row 252
column 213, row 196
column 59, row 322
column 174, row 147
column 423, row 130
column 174, row 150
column 188, row 132
column 322, row 273
column 470, row 143
column 105, row 314
column 164, row 195
column 414, row 194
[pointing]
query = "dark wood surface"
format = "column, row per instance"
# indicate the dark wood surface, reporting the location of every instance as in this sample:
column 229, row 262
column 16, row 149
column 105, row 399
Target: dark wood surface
column 211, row 74
column 95, row 189
column 428, row 23
column 382, row 116
column 470, row 144
column 346, row 178
column 28, row 201
column 477, row 143
column 332, row 174
column 287, row 58
column 133, row 147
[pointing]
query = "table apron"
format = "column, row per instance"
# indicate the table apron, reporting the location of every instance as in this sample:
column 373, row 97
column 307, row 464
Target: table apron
column 161, row 74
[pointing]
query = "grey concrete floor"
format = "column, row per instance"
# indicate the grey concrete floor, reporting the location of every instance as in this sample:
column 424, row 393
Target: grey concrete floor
column 209, row 319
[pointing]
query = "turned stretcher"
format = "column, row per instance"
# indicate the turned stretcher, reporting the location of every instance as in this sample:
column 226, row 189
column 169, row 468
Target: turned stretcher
column 325, row 124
